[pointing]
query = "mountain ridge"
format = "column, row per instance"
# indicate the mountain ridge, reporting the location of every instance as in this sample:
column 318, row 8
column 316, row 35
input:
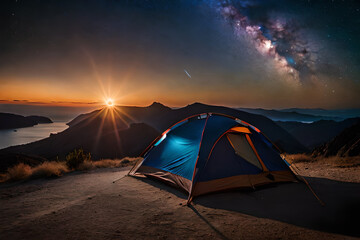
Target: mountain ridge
column 126, row 131
column 345, row 144
column 314, row 134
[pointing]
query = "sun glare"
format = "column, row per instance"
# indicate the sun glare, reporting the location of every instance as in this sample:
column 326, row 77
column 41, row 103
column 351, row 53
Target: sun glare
column 109, row 102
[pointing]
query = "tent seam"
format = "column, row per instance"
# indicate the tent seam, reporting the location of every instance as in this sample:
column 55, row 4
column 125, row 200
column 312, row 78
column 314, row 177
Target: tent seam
column 193, row 177
column 265, row 169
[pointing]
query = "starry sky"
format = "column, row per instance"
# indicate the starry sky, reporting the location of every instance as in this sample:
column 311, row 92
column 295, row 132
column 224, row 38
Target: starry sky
column 260, row 53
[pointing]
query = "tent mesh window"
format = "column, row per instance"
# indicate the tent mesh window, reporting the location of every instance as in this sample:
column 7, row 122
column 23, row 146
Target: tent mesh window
column 243, row 148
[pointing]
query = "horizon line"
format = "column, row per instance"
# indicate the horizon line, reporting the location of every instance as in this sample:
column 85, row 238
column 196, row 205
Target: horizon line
column 101, row 104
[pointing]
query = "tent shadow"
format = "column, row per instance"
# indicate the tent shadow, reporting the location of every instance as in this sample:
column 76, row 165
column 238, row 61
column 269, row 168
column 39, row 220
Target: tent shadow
column 182, row 195
column 291, row 203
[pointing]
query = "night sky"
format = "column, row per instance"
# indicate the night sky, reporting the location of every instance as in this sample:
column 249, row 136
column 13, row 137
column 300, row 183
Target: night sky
column 272, row 54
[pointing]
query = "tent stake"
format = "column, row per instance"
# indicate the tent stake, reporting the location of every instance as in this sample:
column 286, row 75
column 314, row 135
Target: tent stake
column 120, row 178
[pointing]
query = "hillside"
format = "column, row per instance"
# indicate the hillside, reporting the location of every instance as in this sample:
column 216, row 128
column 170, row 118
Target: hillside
column 279, row 115
column 104, row 133
column 12, row 121
column 314, row 134
column 280, row 137
column 161, row 117
column 347, row 143
column 337, row 113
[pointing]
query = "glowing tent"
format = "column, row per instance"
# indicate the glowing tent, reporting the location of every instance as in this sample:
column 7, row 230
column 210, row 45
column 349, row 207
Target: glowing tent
column 213, row 152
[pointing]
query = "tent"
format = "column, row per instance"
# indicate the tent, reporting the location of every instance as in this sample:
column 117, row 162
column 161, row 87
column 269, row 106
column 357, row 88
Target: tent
column 212, row 152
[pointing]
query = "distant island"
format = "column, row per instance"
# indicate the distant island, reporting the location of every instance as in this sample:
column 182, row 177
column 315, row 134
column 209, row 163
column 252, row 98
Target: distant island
column 12, row 121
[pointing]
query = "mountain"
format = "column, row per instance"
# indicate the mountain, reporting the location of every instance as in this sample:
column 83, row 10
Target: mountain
column 314, row 134
column 161, row 117
column 338, row 113
column 105, row 133
column 11, row 121
column 282, row 115
column 131, row 114
column 127, row 131
column 347, row 143
column 280, row 137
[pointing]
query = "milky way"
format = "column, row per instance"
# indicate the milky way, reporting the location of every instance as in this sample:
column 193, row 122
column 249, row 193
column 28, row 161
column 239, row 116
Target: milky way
column 276, row 39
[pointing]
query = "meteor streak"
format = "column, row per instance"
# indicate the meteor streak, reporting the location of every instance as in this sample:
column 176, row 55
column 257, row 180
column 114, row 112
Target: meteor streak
column 187, row 73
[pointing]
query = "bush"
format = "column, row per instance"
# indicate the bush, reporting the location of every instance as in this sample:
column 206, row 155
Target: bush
column 49, row 169
column 125, row 161
column 23, row 171
column 76, row 158
column 19, row 172
column 85, row 166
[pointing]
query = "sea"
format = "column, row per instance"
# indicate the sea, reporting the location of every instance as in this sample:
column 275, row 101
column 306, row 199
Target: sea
column 12, row 137
column 59, row 115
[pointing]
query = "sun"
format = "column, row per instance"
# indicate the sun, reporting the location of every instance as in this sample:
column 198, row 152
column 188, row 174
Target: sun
column 109, row 102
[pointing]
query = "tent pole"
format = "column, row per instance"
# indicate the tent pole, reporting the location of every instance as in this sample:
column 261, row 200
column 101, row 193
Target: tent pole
column 194, row 173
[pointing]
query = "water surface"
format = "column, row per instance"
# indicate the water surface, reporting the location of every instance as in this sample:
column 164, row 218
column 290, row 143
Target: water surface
column 12, row 137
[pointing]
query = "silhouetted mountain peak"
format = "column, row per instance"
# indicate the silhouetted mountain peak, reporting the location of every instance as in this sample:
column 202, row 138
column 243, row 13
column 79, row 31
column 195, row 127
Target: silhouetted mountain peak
column 198, row 105
column 157, row 105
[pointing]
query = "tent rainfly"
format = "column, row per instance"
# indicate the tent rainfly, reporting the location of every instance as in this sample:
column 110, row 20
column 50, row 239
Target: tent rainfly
column 213, row 152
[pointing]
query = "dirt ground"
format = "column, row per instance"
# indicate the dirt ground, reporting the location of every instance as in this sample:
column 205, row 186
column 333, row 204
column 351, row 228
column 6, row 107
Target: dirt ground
column 88, row 205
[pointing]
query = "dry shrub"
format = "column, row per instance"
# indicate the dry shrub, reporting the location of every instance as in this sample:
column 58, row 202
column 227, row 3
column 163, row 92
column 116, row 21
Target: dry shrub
column 3, row 177
column 23, row 171
column 335, row 161
column 85, row 165
column 128, row 161
column 19, row 172
column 116, row 163
column 107, row 163
column 297, row 158
column 76, row 158
column 49, row 169
column 55, row 169
column 343, row 162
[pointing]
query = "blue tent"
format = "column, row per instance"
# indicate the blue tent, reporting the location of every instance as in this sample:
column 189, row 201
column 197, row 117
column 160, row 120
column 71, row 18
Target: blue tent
column 213, row 152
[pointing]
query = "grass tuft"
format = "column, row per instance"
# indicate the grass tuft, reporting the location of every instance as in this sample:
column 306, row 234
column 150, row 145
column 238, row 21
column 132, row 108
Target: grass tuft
column 23, row 171
column 19, row 172
column 297, row 158
column 108, row 163
column 336, row 161
column 49, row 169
